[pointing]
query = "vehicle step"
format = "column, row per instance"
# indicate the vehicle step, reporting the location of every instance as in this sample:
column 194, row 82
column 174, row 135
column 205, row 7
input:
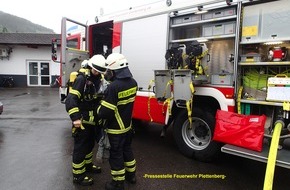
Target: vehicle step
column 283, row 155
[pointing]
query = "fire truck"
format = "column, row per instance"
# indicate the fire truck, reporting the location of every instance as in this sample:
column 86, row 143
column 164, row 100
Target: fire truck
column 193, row 58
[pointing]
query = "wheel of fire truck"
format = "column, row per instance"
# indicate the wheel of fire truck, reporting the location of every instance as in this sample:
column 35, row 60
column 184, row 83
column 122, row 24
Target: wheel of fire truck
column 196, row 141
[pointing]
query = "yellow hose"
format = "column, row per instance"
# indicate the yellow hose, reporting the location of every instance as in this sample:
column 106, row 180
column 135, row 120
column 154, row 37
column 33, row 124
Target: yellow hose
column 269, row 176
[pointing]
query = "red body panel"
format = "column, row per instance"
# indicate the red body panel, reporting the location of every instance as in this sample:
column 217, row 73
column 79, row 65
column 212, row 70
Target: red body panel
column 149, row 109
column 228, row 92
column 76, row 38
column 117, row 35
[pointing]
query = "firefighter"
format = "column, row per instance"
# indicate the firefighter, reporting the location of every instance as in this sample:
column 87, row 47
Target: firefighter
column 116, row 108
column 101, row 135
column 81, row 104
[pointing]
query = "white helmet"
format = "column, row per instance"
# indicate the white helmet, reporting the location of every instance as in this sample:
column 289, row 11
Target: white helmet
column 116, row 61
column 84, row 63
column 98, row 62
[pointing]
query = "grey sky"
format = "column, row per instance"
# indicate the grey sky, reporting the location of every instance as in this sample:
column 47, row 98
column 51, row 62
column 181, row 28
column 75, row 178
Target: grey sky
column 49, row 13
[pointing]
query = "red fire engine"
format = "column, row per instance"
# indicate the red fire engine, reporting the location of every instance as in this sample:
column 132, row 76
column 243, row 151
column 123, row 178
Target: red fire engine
column 194, row 59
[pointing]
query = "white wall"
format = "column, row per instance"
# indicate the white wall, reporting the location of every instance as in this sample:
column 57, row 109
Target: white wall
column 16, row 65
column 144, row 44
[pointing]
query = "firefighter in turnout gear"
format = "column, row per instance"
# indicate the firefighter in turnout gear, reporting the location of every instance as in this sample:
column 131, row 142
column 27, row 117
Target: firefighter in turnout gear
column 116, row 108
column 81, row 104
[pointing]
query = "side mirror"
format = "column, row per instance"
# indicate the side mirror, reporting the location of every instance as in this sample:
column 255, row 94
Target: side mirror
column 54, row 49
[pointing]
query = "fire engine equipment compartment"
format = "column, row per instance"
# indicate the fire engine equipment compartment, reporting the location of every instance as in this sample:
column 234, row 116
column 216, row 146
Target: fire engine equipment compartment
column 222, row 79
column 219, row 29
column 162, row 84
column 251, row 57
column 101, row 35
column 266, row 22
column 181, row 85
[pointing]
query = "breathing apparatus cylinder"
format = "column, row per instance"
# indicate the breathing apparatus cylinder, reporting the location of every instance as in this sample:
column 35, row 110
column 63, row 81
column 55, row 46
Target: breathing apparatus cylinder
column 72, row 77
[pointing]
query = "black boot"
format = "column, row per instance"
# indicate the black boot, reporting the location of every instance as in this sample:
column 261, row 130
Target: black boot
column 130, row 178
column 94, row 169
column 115, row 185
column 84, row 181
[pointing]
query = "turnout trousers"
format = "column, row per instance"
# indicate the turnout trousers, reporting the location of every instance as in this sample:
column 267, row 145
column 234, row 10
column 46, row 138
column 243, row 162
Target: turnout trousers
column 84, row 142
column 121, row 159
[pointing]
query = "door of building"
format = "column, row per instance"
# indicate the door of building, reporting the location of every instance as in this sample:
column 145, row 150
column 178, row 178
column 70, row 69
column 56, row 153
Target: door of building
column 38, row 73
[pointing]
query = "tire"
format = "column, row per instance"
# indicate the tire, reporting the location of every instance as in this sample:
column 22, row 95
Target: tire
column 196, row 142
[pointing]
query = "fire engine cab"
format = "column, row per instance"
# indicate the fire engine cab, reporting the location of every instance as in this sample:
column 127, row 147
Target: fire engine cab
column 194, row 58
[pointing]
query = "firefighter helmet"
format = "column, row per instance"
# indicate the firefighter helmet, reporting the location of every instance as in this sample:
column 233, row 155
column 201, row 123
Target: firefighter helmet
column 97, row 62
column 84, row 64
column 116, row 61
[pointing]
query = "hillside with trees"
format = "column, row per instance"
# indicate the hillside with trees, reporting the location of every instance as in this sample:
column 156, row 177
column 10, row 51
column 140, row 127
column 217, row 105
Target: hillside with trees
column 13, row 24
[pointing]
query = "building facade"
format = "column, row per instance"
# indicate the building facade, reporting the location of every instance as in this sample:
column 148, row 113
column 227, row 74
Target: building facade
column 27, row 58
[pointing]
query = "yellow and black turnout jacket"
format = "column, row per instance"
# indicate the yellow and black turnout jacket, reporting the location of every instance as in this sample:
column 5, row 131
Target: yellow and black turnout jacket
column 117, row 105
column 82, row 99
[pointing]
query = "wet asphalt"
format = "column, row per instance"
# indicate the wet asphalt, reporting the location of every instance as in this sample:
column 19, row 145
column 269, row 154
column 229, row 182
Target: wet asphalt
column 36, row 147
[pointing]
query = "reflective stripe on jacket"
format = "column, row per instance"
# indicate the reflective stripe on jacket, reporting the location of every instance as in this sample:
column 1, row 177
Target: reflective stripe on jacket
column 117, row 106
column 76, row 104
